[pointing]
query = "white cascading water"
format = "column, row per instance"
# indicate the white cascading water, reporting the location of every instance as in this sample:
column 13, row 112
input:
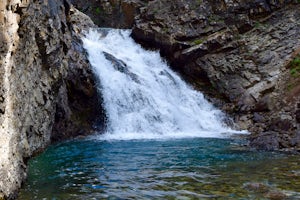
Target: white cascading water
column 143, row 98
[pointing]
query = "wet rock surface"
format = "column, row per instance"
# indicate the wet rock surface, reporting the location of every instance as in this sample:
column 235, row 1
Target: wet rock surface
column 241, row 54
column 47, row 89
column 238, row 53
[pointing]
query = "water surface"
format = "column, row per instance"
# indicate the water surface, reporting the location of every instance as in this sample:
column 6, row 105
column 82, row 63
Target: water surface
column 197, row 168
column 173, row 158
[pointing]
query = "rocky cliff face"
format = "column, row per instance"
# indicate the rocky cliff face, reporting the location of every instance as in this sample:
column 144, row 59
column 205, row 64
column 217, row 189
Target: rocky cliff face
column 238, row 52
column 243, row 54
column 46, row 86
column 111, row 13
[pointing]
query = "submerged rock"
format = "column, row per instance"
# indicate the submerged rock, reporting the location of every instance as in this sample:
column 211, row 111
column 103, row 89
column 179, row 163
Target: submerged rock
column 276, row 195
column 47, row 89
column 265, row 190
column 257, row 187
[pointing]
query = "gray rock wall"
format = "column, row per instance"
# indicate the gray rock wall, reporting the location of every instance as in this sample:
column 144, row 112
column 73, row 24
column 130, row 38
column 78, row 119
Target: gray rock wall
column 111, row 13
column 47, row 90
column 238, row 54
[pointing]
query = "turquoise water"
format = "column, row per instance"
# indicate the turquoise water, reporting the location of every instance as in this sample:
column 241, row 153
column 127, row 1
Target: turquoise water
column 167, row 169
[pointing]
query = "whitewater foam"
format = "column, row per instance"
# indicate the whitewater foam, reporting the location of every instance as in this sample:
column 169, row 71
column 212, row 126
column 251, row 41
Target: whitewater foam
column 143, row 98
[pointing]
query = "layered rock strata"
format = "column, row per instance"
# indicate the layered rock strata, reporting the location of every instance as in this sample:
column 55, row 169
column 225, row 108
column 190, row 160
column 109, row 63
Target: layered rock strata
column 47, row 90
column 111, row 13
column 242, row 54
column 238, row 53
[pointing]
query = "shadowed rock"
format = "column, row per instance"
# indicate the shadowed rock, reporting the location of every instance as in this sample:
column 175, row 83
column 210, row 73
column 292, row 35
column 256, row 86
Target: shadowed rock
column 120, row 66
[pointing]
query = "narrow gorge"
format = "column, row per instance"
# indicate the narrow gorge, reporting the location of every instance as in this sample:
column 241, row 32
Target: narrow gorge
column 242, row 55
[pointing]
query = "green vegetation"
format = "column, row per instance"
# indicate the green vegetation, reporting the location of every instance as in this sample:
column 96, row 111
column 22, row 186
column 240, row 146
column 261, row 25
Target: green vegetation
column 98, row 10
column 290, row 86
column 197, row 41
column 165, row 29
column 198, row 2
column 295, row 66
column 258, row 25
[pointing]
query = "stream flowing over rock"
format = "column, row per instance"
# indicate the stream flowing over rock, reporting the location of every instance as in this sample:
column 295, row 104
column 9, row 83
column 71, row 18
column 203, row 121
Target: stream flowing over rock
column 47, row 89
column 237, row 52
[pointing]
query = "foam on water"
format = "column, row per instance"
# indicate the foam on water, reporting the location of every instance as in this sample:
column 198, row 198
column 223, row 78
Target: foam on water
column 143, row 98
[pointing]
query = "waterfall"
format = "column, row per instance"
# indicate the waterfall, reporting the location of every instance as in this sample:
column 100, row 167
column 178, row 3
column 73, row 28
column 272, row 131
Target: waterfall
column 143, row 98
